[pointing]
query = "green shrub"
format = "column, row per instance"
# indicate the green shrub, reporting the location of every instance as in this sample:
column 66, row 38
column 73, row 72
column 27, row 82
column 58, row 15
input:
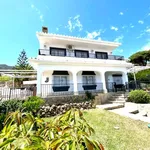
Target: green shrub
column 89, row 95
column 2, row 118
column 66, row 132
column 33, row 103
column 139, row 96
column 10, row 105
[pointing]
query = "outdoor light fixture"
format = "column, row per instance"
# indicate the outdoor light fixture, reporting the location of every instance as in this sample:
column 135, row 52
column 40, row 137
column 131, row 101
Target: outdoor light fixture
column 47, row 79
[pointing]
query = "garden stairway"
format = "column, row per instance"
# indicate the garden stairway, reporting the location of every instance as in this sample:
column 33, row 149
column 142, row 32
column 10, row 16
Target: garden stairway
column 117, row 100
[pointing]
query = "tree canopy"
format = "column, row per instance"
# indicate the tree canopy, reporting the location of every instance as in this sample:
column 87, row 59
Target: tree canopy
column 140, row 58
column 5, row 78
column 22, row 62
column 143, row 75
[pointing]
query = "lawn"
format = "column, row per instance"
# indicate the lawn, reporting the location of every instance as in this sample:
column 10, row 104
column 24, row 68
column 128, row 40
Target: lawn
column 131, row 135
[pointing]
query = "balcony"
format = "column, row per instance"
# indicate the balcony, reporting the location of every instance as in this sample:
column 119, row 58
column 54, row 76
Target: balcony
column 45, row 52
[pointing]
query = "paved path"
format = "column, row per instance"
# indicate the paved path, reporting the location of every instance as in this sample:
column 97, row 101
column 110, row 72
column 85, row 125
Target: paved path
column 130, row 107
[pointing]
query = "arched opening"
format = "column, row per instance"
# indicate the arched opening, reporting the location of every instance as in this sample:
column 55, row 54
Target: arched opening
column 89, row 81
column 115, row 80
column 56, row 82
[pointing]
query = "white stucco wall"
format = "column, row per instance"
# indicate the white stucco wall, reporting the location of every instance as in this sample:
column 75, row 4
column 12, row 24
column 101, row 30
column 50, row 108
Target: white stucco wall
column 47, row 70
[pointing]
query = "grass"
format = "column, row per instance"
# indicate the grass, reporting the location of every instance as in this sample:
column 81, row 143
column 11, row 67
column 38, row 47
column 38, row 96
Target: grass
column 131, row 135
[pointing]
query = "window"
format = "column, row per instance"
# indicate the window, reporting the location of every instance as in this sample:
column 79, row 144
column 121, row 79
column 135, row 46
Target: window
column 88, row 80
column 101, row 55
column 57, row 52
column 60, row 80
column 81, row 54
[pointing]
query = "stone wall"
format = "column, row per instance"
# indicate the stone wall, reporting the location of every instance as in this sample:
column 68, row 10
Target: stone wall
column 56, row 109
column 65, row 99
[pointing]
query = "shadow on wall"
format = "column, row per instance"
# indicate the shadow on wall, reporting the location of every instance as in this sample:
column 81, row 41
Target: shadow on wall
column 102, row 98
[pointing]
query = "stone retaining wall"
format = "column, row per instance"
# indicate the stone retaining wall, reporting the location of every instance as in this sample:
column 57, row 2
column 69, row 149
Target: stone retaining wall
column 56, row 109
column 65, row 99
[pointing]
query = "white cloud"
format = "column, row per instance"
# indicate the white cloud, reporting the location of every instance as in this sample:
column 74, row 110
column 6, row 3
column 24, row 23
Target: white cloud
column 38, row 12
column 141, row 35
column 123, row 27
column 146, row 46
column 99, row 39
column 141, row 22
column 41, row 18
column 93, row 35
column 131, row 25
column 119, row 39
column 32, row 6
column 121, row 13
column 114, row 28
column 147, row 30
column 74, row 23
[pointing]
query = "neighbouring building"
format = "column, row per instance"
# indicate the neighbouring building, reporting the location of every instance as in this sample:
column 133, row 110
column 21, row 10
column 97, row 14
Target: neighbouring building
column 68, row 65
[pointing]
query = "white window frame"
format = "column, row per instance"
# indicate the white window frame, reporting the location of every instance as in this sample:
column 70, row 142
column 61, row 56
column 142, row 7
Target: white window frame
column 88, row 82
column 60, row 80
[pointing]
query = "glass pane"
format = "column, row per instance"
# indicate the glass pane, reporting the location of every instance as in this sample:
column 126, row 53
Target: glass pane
column 84, row 54
column 99, row 55
column 64, row 80
column 57, row 52
column 84, row 80
column 78, row 54
column 56, row 80
column 91, row 80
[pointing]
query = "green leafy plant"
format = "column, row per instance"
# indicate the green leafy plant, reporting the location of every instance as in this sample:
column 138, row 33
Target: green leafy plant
column 32, row 104
column 66, row 132
column 10, row 105
column 2, row 118
column 89, row 95
column 5, row 78
column 139, row 96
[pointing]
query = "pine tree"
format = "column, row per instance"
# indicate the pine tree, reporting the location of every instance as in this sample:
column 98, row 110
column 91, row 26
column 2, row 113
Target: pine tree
column 22, row 62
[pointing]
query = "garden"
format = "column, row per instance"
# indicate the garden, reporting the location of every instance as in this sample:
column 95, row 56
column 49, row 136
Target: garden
column 32, row 125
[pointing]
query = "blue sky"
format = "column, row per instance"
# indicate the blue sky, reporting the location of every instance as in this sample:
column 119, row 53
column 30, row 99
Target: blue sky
column 125, row 21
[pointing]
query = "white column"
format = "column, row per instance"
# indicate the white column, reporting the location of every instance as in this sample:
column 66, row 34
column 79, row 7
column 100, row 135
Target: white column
column 75, row 83
column 125, row 77
column 39, row 78
column 103, row 82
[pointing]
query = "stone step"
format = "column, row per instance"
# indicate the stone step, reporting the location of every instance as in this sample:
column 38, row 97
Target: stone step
column 118, row 95
column 115, row 99
column 110, row 106
column 119, row 102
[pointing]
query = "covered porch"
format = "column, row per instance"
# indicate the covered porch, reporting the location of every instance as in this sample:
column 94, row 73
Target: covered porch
column 65, row 82
column 115, row 81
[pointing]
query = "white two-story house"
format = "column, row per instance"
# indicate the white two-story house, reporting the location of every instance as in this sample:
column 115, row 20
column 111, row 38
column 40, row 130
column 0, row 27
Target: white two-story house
column 73, row 65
